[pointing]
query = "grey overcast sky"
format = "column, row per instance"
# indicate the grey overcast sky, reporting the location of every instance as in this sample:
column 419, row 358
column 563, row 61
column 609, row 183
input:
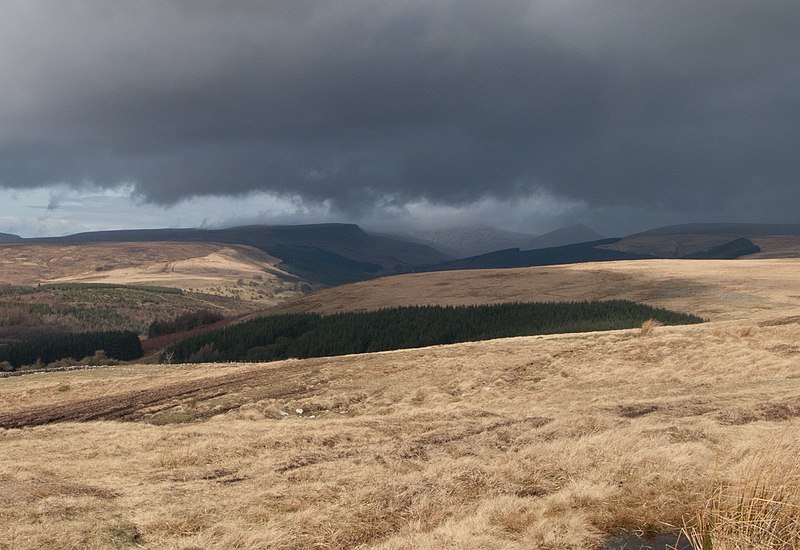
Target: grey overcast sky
column 623, row 114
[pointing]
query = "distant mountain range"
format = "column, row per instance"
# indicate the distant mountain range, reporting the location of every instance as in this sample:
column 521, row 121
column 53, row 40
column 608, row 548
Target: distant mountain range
column 332, row 254
column 689, row 241
column 473, row 240
column 740, row 229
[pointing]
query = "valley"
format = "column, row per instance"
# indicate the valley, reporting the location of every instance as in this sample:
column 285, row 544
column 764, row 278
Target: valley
column 310, row 275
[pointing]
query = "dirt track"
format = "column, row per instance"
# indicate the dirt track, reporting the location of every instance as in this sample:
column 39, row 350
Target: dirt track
column 272, row 382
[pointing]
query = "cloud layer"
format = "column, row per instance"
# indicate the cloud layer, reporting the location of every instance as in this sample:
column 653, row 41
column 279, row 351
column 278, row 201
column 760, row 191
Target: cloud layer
column 678, row 109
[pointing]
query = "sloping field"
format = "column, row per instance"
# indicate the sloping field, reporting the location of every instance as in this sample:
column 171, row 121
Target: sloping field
column 716, row 289
column 544, row 442
column 228, row 270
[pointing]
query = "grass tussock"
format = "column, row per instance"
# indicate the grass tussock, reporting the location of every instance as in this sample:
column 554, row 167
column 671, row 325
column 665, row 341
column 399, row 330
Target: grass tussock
column 648, row 327
column 759, row 511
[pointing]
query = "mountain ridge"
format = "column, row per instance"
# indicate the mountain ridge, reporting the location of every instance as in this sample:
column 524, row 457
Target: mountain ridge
column 740, row 229
column 336, row 253
column 9, row 238
column 462, row 241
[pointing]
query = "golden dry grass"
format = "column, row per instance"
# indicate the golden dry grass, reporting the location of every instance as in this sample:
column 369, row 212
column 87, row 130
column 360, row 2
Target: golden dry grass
column 648, row 327
column 549, row 442
column 715, row 289
column 761, row 511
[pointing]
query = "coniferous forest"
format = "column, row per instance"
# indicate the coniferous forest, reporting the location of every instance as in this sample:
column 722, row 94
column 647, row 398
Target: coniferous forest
column 122, row 345
column 313, row 335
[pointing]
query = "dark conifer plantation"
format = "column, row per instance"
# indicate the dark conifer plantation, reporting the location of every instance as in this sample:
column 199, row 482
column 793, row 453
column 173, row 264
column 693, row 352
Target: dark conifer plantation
column 122, row 345
column 312, row 335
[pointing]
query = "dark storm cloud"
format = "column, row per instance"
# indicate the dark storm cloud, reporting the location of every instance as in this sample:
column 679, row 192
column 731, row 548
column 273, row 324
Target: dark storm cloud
column 675, row 106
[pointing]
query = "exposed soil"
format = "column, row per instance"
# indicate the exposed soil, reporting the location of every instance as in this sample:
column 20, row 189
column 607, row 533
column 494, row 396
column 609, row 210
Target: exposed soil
column 273, row 382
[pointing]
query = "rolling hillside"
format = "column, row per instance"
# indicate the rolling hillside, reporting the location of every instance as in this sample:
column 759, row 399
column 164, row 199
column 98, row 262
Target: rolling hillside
column 324, row 253
column 691, row 241
column 201, row 267
column 332, row 254
column 48, row 288
column 716, row 289
column 563, row 441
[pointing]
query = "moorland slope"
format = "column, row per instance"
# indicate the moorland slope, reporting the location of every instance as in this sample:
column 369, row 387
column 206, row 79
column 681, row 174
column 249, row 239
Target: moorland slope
column 230, row 270
column 536, row 442
column 55, row 288
column 716, row 289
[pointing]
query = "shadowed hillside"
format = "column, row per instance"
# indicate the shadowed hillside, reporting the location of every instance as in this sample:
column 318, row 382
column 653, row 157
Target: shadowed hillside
column 740, row 229
column 9, row 238
column 574, row 253
column 473, row 240
column 705, row 240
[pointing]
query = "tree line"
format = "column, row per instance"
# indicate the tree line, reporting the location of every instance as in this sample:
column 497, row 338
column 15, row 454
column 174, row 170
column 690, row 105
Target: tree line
column 121, row 345
column 312, row 335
